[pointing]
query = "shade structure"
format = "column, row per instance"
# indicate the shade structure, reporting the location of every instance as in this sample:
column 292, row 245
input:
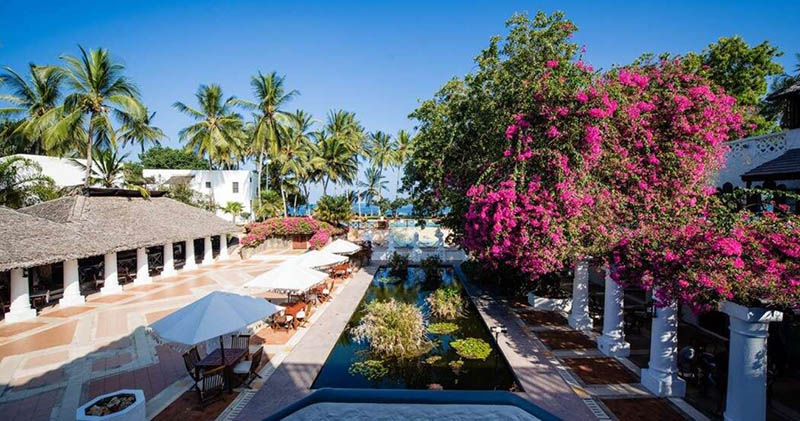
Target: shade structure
column 288, row 278
column 342, row 247
column 318, row 259
column 218, row 313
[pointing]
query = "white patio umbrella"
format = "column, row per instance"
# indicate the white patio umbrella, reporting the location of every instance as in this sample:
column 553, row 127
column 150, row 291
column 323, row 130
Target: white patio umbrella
column 342, row 247
column 217, row 314
column 318, row 259
column 288, row 278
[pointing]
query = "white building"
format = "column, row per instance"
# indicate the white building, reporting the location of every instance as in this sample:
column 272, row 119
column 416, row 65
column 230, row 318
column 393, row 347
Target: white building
column 748, row 153
column 64, row 171
column 222, row 185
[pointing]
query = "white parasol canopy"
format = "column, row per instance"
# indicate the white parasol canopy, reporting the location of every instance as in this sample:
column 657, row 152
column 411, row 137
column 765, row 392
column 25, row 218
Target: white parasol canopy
column 343, row 247
column 318, row 259
column 288, row 278
column 218, row 313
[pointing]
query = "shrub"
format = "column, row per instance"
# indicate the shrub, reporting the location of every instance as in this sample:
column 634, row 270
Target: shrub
column 334, row 209
column 446, row 303
column 319, row 240
column 258, row 232
column 393, row 329
column 472, row 348
column 444, row 328
column 370, row 369
column 432, row 268
column 398, row 265
column 433, row 359
column 390, row 279
column 457, row 366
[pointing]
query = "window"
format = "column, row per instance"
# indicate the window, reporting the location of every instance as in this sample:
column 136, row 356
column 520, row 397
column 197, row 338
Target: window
column 208, row 184
column 236, row 187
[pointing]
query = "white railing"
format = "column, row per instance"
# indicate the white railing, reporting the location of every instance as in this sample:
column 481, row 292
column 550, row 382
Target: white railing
column 748, row 153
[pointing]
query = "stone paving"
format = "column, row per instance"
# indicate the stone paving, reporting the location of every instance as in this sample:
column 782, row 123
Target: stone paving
column 63, row 358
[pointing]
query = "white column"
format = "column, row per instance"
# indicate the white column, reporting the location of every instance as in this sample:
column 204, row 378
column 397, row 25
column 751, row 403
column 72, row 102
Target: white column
column 612, row 343
column 142, row 267
column 111, row 284
column 747, row 364
column 191, row 263
column 661, row 377
column 72, row 285
column 208, row 253
column 223, row 247
column 579, row 316
column 169, row 261
column 20, row 308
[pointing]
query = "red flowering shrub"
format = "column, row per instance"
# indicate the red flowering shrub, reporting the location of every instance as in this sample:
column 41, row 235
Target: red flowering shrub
column 319, row 239
column 257, row 232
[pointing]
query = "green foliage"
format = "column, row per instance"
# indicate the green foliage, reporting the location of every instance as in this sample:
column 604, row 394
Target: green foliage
column 271, row 205
column 446, row 303
column 742, row 71
column 398, row 265
column 168, row 158
column 333, row 209
column 457, row 366
column 432, row 268
column 472, row 348
column 132, row 173
column 184, row 194
column 393, row 329
column 464, row 124
column 234, row 209
column 443, row 328
column 370, row 369
column 22, row 183
column 390, row 279
column 108, row 169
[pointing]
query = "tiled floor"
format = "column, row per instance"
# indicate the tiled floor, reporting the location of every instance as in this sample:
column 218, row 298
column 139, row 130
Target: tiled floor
column 67, row 356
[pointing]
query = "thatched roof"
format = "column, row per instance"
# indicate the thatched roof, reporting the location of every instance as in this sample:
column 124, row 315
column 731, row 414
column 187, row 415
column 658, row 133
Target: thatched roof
column 791, row 90
column 27, row 241
column 124, row 223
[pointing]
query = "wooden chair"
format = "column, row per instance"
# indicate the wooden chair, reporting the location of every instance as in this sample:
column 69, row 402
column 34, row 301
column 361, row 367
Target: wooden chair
column 211, row 385
column 283, row 320
column 247, row 370
column 190, row 360
column 303, row 315
column 241, row 342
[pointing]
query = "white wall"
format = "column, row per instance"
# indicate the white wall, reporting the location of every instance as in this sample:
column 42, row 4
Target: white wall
column 221, row 184
column 746, row 154
column 62, row 170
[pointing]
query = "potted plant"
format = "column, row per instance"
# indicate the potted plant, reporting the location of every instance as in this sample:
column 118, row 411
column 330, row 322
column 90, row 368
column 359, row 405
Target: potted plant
column 122, row 405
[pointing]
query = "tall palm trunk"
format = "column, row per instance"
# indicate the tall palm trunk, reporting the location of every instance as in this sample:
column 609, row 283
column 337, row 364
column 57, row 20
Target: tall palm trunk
column 89, row 144
column 283, row 197
column 211, row 167
column 260, row 169
column 325, row 185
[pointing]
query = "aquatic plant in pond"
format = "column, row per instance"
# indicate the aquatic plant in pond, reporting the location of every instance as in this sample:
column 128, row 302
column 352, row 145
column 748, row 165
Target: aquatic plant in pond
column 443, row 328
column 472, row 348
column 370, row 369
column 398, row 265
column 393, row 329
column 431, row 267
column 347, row 367
column 446, row 303
column 389, row 279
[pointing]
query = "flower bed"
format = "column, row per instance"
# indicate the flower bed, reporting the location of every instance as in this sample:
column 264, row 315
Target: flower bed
column 258, row 232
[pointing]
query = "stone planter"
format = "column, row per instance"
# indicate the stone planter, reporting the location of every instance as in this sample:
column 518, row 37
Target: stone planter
column 135, row 412
column 563, row 305
column 747, row 364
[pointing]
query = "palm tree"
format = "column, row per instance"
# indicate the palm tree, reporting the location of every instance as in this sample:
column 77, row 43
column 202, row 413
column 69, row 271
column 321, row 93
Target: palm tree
column 21, row 181
column 234, row 209
column 339, row 158
column 271, row 96
column 295, row 156
column 137, row 128
column 107, row 169
column 372, row 185
column 98, row 88
column 404, row 148
column 37, row 98
column 380, row 149
column 218, row 129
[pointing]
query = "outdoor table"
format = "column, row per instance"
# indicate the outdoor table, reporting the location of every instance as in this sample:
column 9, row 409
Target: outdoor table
column 214, row 359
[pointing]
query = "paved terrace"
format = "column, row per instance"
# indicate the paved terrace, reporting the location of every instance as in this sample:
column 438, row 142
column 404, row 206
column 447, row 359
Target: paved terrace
column 51, row 365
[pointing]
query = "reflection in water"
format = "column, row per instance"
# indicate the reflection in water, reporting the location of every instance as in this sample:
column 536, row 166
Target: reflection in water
column 426, row 370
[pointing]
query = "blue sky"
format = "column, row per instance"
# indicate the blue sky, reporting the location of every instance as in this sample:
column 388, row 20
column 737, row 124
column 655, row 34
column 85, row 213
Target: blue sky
column 374, row 58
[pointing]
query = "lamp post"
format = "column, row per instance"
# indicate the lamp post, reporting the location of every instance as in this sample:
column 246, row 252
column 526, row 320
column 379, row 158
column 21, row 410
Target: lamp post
column 497, row 330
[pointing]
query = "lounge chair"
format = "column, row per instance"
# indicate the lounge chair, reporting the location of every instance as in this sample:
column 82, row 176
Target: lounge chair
column 247, row 370
column 211, row 385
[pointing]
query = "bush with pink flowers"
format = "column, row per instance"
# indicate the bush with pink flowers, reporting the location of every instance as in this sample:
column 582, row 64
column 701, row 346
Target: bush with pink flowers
column 319, row 239
column 258, row 232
